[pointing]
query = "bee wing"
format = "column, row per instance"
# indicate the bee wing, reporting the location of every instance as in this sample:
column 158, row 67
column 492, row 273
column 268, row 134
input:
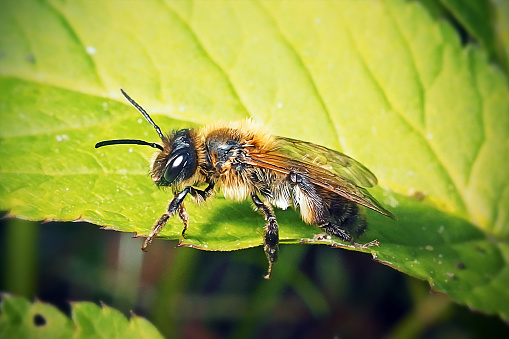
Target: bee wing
column 318, row 175
column 333, row 161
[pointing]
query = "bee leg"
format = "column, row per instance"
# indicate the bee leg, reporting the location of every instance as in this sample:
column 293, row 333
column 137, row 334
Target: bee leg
column 158, row 226
column 184, row 217
column 319, row 213
column 336, row 231
column 173, row 207
column 368, row 245
column 271, row 233
column 199, row 196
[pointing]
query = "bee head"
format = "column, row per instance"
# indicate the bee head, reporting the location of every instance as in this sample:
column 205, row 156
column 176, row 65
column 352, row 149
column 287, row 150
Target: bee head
column 177, row 160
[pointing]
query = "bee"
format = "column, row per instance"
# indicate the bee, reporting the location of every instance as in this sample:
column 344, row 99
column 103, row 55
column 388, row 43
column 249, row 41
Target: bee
column 244, row 160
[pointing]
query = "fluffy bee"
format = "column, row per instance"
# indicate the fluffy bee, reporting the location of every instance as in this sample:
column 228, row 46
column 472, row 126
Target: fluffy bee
column 245, row 161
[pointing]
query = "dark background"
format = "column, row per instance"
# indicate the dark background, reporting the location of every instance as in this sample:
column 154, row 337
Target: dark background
column 316, row 291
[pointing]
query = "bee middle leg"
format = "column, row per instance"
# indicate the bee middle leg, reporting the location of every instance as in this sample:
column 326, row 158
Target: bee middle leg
column 184, row 217
column 271, row 233
column 177, row 205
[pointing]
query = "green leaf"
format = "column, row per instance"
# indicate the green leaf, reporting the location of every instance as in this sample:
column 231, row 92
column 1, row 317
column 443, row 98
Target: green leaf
column 485, row 21
column 501, row 31
column 379, row 80
column 20, row 319
column 475, row 17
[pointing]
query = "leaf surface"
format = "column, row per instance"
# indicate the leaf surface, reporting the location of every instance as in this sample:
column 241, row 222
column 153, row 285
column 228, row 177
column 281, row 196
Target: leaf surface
column 21, row 319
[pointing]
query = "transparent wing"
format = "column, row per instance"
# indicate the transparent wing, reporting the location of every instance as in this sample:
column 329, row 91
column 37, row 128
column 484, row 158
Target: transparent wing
column 317, row 175
column 335, row 162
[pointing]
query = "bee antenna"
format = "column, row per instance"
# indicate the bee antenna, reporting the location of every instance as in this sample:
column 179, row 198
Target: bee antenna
column 128, row 142
column 144, row 113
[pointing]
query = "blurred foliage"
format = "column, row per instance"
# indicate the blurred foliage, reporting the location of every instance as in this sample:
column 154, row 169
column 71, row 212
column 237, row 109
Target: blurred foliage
column 318, row 291
column 20, row 319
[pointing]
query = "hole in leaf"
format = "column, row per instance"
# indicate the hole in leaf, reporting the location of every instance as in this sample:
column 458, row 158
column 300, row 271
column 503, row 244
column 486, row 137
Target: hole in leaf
column 39, row 320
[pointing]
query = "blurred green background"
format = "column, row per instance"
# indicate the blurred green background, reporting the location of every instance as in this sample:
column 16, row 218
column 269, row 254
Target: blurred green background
column 318, row 291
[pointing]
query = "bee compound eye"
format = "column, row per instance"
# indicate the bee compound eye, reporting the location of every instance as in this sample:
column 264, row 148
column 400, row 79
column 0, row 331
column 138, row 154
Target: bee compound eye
column 175, row 167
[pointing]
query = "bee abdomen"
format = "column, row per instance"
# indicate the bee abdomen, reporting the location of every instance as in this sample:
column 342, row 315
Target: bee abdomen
column 336, row 215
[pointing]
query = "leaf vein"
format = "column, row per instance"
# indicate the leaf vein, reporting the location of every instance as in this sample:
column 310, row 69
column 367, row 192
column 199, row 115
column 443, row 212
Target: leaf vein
column 307, row 72
column 412, row 64
column 74, row 35
column 479, row 112
column 200, row 44
column 403, row 119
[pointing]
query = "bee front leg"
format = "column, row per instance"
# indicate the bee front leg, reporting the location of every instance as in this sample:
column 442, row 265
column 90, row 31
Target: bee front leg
column 177, row 205
column 271, row 233
column 173, row 206
column 199, row 197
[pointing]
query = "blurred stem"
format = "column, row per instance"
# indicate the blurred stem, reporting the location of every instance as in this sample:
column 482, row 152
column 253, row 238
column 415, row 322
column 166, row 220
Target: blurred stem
column 130, row 260
column 171, row 287
column 311, row 295
column 20, row 257
column 428, row 310
column 267, row 295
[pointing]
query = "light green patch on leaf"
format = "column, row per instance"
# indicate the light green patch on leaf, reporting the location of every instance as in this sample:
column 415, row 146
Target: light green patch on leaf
column 382, row 81
column 21, row 319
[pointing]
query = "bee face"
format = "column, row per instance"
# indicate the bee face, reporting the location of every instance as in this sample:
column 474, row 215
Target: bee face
column 178, row 160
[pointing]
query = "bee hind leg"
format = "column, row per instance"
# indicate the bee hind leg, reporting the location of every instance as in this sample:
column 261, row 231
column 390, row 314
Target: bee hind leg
column 346, row 229
column 271, row 233
column 345, row 221
column 336, row 231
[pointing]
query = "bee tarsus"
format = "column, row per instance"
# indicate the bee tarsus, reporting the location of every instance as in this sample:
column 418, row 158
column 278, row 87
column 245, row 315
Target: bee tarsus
column 336, row 231
column 367, row 245
column 184, row 217
column 271, row 233
column 158, row 226
column 177, row 205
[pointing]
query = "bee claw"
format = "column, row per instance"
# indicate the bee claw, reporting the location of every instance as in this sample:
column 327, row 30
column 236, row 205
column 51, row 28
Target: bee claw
column 367, row 245
column 147, row 242
column 269, row 272
column 321, row 236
